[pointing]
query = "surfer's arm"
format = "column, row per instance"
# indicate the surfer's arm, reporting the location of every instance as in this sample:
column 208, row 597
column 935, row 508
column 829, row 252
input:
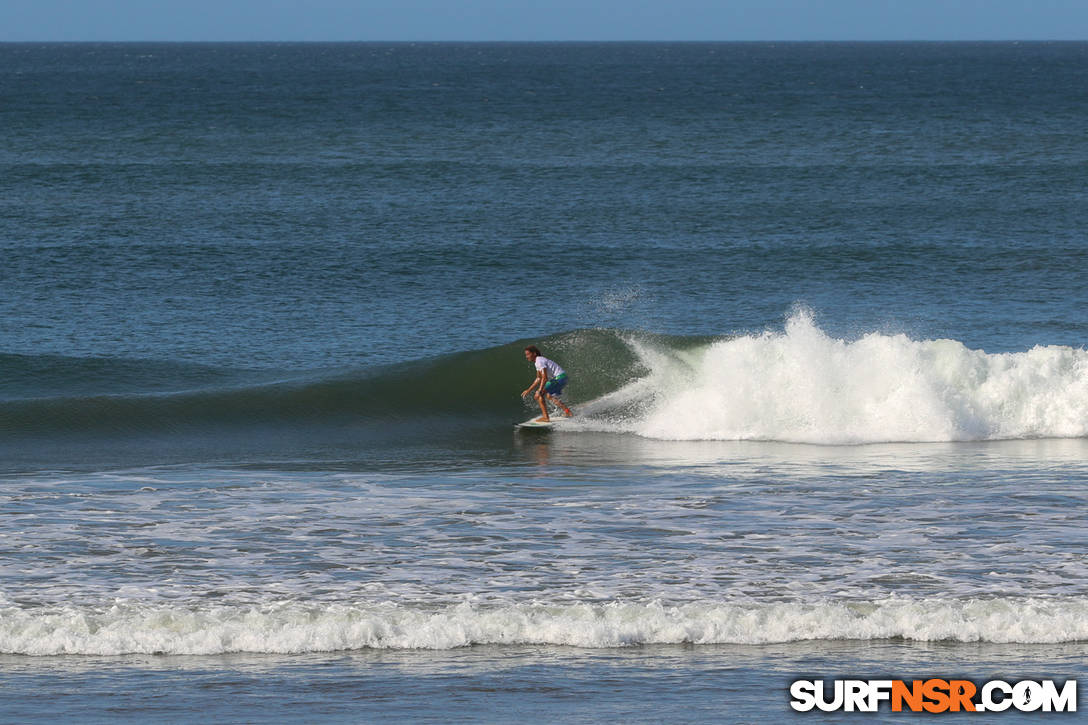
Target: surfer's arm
column 540, row 377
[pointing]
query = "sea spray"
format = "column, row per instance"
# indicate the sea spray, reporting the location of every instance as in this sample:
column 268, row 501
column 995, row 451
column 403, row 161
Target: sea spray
column 802, row 385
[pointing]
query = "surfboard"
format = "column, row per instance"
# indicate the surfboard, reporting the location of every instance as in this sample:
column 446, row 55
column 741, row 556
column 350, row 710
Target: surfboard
column 533, row 423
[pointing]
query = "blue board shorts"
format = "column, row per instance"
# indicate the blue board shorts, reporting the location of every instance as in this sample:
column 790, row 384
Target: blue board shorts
column 555, row 385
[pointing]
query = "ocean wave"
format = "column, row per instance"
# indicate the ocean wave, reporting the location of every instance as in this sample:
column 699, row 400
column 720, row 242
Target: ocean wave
column 797, row 385
column 47, row 395
column 294, row 627
column 802, row 385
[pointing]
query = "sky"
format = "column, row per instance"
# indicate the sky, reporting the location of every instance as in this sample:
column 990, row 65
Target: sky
column 540, row 20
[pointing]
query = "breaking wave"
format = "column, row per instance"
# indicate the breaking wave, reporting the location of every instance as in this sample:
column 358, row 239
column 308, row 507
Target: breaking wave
column 802, row 385
column 798, row 384
column 291, row 627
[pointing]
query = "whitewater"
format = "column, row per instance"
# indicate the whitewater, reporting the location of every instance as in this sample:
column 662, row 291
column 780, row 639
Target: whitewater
column 632, row 541
column 295, row 628
column 803, row 385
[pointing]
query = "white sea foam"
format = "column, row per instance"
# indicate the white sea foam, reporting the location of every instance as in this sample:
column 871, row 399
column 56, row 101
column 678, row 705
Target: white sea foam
column 297, row 628
column 802, row 385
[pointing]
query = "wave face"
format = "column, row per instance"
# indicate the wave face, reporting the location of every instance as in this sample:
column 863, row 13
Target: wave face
column 802, row 385
column 47, row 395
column 794, row 385
column 285, row 628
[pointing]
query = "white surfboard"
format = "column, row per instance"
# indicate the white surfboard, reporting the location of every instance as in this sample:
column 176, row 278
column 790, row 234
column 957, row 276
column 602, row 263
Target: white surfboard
column 539, row 425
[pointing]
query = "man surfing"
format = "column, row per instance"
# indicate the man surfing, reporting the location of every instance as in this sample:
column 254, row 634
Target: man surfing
column 549, row 383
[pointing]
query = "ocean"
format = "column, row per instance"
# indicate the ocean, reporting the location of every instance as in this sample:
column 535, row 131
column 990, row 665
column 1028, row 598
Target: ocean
column 262, row 312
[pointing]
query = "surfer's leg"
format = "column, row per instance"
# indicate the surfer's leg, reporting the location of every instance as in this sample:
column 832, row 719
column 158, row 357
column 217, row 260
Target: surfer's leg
column 552, row 390
column 543, row 406
column 559, row 404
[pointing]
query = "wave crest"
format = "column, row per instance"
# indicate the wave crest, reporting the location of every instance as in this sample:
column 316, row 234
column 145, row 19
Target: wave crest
column 290, row 627
column 802, row 385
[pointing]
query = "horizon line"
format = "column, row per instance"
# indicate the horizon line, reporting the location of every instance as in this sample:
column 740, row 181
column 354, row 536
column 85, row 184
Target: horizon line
column 554, row 41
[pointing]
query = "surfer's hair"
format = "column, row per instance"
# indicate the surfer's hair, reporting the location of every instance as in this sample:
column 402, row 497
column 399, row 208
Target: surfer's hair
column 533, row 349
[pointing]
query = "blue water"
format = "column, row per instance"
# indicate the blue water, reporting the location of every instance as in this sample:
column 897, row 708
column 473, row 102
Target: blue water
column 261, row 323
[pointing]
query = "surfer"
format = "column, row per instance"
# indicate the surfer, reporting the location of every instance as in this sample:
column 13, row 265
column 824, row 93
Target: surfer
column 549, row 383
